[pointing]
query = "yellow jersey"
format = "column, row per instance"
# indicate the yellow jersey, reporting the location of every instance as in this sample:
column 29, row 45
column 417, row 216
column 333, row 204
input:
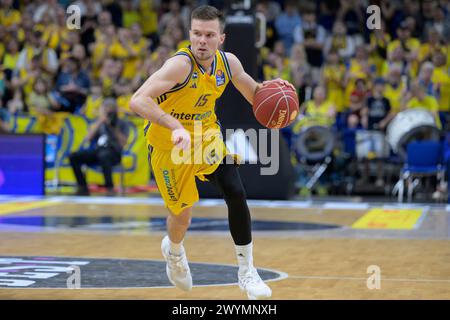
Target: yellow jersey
column 429, row 103
column 8, row 17
column 192, row 100
column 442, row 78
column 316, row 115
column 394, row 94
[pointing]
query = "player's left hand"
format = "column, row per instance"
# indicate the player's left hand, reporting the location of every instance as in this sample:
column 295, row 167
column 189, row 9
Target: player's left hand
column 280, row 82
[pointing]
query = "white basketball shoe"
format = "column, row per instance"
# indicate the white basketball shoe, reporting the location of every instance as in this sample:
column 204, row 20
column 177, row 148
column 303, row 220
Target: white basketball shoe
column 177, row 267
column 251, row 282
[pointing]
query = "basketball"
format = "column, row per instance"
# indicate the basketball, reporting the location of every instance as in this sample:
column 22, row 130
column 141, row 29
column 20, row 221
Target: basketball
column 275, row 106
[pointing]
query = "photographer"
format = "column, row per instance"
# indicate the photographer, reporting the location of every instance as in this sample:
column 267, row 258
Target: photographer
column 108, row 135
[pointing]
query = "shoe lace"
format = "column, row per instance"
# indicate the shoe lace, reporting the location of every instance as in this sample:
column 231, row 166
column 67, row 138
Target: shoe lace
column 250, row 278
column 177, row 262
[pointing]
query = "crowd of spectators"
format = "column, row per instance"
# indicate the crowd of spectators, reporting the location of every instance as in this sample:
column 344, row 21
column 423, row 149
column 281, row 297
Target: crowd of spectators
column 349, row 75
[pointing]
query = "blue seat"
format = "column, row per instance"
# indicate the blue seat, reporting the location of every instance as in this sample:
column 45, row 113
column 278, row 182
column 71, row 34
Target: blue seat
column 424, row 159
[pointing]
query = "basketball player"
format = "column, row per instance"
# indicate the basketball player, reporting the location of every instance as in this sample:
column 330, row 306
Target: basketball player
column 173, row 99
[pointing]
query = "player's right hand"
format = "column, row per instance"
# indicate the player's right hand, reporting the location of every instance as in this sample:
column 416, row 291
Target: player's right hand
column 181, row 138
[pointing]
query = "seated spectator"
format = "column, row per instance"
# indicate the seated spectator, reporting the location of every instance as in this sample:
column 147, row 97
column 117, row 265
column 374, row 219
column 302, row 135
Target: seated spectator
column 377, row 113
column 42, row 105
column 434, row 44
column 91, row 108
column 375, row 117
column 351, row 13
column 276, row 65
column 406, row 41
column 417, row 98
column 263, row 7
column 24, row 78
column 359, row 69
column 424, row 77
column 110, row 76
column 377, row 48
column 320, row 110
column 16, row 104
column 332, row 78
column 300, row 71
column 72, row 86
column 441, row 79
column 355, row 109
column 395, row 87
column 11, row 57
column 286, row 22
column 312, row 36
column 396, row 58
column 36, row 47
column 173, row 15
column 9, row 17
column 109, row 135
column 339, row 41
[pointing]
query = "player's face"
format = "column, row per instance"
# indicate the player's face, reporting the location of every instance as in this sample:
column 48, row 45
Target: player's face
column 206, row 38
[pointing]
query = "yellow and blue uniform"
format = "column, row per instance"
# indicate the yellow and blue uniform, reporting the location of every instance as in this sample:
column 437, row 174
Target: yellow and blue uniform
column 192, row 102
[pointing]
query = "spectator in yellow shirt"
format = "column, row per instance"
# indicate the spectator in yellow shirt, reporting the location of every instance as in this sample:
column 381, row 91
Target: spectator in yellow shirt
column 9, row 17
column 379, row 40
column 35, row 47
column 332, row 77
column 395, row 87
column 417, row 98
column 433, row 45
column 11, row 55
column 140, row 48
column 318, row 111
column 300, row 70
column 406, row 41
column 91, row 108
column 441, row 79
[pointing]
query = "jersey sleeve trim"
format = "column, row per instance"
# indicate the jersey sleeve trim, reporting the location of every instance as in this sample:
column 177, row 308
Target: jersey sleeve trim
column 227, row 66
column 185, row 82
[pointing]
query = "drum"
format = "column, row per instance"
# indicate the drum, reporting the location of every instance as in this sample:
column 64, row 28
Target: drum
column 314, row 143
column 371, row 144
column 411, row 125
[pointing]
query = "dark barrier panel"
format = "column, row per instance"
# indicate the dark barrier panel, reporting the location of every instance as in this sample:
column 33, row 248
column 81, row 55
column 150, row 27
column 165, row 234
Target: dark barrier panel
column 22, row 169
column 235, row 112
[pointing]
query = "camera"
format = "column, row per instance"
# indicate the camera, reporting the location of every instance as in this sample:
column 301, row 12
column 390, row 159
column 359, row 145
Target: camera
column 112, row 118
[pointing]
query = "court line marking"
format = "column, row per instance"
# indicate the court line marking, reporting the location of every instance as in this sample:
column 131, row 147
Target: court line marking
column 281, row 275
column 290, row 204
column 365, row 279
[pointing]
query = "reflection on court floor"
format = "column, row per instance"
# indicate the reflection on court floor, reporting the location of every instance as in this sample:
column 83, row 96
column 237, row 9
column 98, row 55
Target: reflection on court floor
column 305, row 249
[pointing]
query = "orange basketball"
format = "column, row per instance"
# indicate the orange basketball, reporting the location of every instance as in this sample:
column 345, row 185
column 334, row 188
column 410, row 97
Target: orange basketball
column 275, row 106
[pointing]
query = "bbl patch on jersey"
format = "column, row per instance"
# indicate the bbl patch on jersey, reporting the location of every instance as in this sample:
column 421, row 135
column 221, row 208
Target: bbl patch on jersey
column 220, row 78
column 194, row 78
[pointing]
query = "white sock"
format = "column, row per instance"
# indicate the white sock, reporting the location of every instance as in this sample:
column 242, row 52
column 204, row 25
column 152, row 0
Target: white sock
column 176, row 248
column 245, row 257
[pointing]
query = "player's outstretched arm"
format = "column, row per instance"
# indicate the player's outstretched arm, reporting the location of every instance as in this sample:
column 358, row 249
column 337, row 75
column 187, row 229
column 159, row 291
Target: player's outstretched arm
column 173, row 72
column 244, row 83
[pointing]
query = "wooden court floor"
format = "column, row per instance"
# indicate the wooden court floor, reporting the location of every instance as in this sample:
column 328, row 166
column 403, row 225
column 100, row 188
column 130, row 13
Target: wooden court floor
column 316, row 264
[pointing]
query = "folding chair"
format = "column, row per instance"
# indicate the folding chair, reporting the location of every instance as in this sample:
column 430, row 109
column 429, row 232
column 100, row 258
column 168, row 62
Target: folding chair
column 424, row 159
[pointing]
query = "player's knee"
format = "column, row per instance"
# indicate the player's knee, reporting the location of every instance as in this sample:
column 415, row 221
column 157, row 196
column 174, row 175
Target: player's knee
column 183, row 218
column 234, row 191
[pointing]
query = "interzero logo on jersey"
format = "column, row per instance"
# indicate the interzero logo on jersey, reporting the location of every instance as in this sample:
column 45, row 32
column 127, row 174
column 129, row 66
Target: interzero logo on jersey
column 169, row 186
column 253, row 146
column 190, row 116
